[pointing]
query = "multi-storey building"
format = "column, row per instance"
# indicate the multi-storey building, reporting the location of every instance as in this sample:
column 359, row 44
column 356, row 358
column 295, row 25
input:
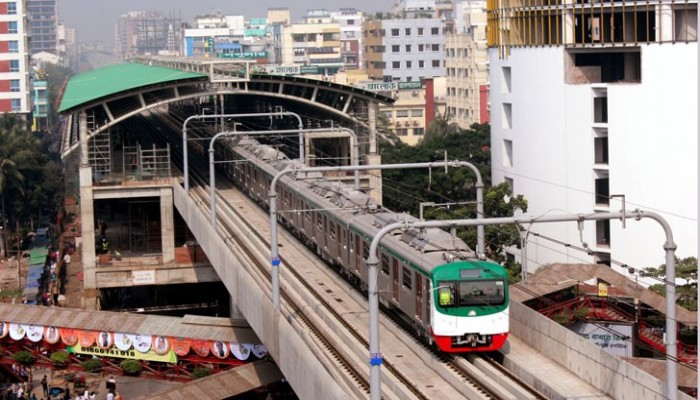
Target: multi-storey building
column 404, row 49
column 42, row 23
column 14, row 59
column 314, row 43
column 466, row 65
column 147, row 32
column 350, row 21
column 68, row 46
column 592, row 101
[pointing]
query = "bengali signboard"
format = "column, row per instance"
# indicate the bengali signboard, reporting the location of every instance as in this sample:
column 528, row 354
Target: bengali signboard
column 147, row 277
column 613, row 338
column 389, row 86
column 150, row 355
column 293, row 69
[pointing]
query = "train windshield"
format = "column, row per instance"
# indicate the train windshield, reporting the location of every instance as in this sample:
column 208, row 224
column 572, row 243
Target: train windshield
column 471, row 293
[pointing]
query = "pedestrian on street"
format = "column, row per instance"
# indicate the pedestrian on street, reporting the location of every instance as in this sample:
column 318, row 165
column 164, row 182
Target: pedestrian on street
column 45, row 386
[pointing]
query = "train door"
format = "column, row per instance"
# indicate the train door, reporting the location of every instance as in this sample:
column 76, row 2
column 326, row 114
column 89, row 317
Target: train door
column 351, row 249
column 419, row 296
column 358, row 253
column 341, row 243
column 428, row 300
column 325, row 232
column 395, row 270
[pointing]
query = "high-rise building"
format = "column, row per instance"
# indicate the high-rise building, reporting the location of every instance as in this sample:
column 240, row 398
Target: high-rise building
column 466, row 56
column 593, row 104
column 350, row 21
column 42, row 25
column 14, row 59
column 404, row 50
column 147, row 32
column 315, row 43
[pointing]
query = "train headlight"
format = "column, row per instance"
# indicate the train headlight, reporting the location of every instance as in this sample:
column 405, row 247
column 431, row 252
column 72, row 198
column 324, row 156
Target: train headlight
column 472, row 313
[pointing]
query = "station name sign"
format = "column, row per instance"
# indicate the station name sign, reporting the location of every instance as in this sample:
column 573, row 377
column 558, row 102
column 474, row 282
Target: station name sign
column 389, row 86
column 293, row 69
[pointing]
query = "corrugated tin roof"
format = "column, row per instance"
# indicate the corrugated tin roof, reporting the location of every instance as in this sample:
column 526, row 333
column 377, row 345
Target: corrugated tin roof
column 224, row 384
column 202, row 328
column 98, row 83
column 556, row 277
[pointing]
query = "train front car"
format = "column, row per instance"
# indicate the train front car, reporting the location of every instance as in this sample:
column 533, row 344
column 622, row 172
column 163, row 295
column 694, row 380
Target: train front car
column 469, row 308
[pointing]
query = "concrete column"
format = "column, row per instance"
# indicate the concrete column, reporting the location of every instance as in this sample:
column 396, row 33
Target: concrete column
column 664, row 24
column 235, row 311
column 167, row 229
column 375, row 178
column 87, row 219
column 372, row 110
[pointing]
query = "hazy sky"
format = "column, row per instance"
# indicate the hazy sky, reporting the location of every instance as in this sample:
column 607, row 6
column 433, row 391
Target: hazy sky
column 95, row 19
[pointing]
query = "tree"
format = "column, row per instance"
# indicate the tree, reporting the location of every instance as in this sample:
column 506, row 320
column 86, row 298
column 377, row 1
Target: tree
column 441, row 125
column 405, row 189
column 687, row 293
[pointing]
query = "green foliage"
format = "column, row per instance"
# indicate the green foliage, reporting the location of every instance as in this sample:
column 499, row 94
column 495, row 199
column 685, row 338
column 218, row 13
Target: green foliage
column 201, row 372
column 405, row 189
column 131, row 367
column 24, row 357
column 60, row 358
column 92, row 365
column 686, row 293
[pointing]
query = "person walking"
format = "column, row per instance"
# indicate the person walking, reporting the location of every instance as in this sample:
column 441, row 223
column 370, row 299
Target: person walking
column 45, row 386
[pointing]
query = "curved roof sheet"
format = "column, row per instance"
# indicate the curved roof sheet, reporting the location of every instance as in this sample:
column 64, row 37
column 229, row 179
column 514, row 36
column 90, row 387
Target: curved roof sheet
column 98, row 83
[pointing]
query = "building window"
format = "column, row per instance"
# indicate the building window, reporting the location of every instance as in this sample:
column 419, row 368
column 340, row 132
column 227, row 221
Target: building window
column 435, row 31
column 602, row 191
column 419, row 131
column 401, row 113
column 601, row 150
column 507, row 116
column 435, row 47
column 506, row 80
column 507, row 153
column 16, row 104
column 408, row 31
column 12, row 27
column 420, row 47
column 420, row 31
column 14, row 85
column 417, row 112
column 395, row 48
column 396, row 64
column 395, row 32
column 14, row 46
column 421, row 64
column 603, row 233
column 11, row 8
column 351, row 22
column 14, row 65
column 402, row 132
column 600, row 110
column 409, row 64
column 408, row 48
column 436, row 63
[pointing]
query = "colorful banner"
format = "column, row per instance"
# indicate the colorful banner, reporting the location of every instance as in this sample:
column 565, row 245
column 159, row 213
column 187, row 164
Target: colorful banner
column 35, row 333
column 69, row 336
column 151, row 355
column 124, row 341
column 201, row 347
column 51, row 335
column 87, row 338
column 161, row 345
column 219, row 349
column 181, row 346
column 17, row 331
column 4, row 329
column 240, row 351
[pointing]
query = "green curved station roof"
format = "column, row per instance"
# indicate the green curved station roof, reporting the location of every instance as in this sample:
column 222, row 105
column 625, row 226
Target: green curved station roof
column 101, row 82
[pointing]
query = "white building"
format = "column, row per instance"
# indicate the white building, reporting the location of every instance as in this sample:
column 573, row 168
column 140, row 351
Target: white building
column 588, row 102
column 466, row 56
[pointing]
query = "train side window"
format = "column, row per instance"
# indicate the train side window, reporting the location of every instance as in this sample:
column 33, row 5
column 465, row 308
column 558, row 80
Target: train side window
column 306, row 212
column 331, row 229
column 385, row 264
column 319, row 222
column 407, row 278
column 365, row 250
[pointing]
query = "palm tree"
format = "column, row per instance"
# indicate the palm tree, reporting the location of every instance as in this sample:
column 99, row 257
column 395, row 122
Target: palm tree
column 18, row 147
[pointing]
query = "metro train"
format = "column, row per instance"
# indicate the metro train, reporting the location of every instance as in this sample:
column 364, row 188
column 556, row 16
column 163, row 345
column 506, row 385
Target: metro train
column 429, row 277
